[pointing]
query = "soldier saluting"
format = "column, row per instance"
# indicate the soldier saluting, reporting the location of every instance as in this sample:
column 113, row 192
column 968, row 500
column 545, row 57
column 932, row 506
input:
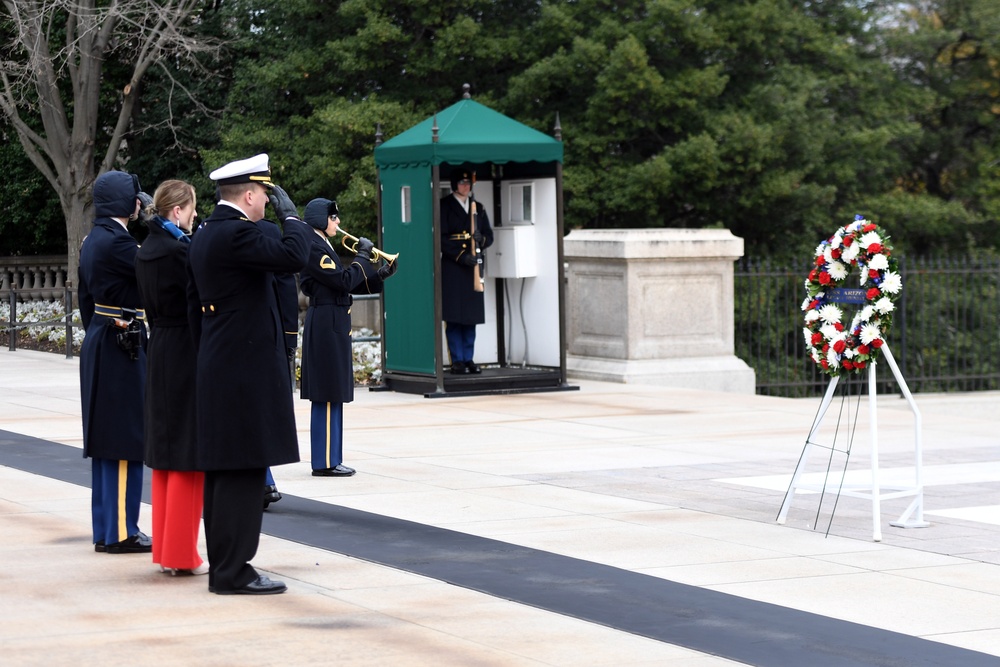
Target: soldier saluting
column 245, row 416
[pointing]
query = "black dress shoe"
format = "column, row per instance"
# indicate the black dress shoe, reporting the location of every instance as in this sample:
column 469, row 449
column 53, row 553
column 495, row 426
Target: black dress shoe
column 271, row 495
column 336, row 471
column 473, row 368
column 100, row 548
column 460, row 368
column 139, row 543
column 259, row 586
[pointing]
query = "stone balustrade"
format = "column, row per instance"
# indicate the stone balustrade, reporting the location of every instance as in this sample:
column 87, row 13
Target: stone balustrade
column 36, row 278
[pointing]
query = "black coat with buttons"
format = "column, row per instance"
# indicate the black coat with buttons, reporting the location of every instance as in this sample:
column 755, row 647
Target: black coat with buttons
column 460, row 302
column 161, row 269
column 245, row 413
column 111, row 383
column 327, row 350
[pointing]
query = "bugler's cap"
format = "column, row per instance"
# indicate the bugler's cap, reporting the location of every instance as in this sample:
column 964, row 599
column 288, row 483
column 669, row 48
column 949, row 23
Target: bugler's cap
column 251, row 170
column 318, row 212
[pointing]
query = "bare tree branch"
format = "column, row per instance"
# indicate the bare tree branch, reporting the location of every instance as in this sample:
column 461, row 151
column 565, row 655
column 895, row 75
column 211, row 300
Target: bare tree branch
column 51, row 86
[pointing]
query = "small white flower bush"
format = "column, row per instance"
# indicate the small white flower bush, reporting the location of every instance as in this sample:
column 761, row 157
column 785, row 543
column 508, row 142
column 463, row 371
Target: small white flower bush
column 367, row 356
column 52, row 314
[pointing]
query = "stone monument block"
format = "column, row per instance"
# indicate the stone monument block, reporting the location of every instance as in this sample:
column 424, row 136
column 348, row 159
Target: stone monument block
column 654, row 306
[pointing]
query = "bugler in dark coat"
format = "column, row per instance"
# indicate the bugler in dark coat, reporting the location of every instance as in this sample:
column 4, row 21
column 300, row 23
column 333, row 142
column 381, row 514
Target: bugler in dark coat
column 327, row 356
column 243, row 368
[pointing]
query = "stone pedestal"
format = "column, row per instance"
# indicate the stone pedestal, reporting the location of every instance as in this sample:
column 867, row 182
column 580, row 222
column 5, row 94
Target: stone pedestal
column 654, row 306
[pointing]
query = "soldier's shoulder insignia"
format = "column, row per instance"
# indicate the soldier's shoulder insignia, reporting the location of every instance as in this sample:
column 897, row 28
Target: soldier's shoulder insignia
column 326, row 263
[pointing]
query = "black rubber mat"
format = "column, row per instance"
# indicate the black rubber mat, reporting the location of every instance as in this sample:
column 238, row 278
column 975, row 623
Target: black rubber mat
column 754, row 633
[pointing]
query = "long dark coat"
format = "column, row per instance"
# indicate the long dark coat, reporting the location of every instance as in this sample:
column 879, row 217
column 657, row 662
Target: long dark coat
column 161, row 268
column 111, row 384
column 460, row 302
column 286, row 291
column 327, row 356
column 245, row 413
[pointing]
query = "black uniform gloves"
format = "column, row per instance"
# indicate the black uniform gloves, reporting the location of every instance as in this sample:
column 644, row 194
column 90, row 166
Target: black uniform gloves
column 282, row 204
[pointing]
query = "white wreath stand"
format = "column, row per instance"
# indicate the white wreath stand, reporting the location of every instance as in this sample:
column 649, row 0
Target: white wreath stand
column 876, row 492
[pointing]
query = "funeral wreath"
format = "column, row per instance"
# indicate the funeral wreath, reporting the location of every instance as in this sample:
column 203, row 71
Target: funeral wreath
column 834, row 346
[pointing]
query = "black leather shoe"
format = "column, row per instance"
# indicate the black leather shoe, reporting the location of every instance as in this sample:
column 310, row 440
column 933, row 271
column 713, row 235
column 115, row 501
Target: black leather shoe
column 139, row 543
column 473, row 368
column 259, row 586
column 271, row 495
column 460, row 368
column 100, row 548
column 336, row 471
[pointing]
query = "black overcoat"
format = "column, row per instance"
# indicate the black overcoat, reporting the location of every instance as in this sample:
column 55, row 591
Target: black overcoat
column 327, row 355
column 245, row 413
column 161, row 268
column 460, row 302
column 286, row 291
column 111, row 384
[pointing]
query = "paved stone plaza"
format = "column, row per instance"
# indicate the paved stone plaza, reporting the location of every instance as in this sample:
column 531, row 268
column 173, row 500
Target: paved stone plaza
column 522, row 529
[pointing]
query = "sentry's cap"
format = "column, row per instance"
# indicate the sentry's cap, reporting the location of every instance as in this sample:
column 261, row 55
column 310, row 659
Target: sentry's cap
column 250, row 170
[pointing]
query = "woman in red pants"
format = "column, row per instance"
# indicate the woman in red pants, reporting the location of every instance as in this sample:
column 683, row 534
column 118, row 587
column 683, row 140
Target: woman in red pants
column 178, row 489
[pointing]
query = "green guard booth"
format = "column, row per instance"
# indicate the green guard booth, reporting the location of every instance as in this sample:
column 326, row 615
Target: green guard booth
column 521, row 347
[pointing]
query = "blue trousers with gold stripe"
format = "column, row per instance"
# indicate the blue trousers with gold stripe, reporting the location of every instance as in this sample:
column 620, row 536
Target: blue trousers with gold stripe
column 326, row 432
column 115, row 495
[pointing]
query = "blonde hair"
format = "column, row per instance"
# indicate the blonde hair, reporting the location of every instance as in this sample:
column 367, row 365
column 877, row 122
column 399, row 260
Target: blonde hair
column 172, row 193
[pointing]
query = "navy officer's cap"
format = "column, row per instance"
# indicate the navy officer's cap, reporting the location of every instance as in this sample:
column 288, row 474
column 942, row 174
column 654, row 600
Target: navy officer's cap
column 250, row 170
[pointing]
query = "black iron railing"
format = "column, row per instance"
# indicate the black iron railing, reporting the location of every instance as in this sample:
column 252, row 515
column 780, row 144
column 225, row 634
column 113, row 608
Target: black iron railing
column 945, row 334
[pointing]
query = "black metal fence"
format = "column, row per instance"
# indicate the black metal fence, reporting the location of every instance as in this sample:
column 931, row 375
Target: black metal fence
column 945, row 334
column 11, row 325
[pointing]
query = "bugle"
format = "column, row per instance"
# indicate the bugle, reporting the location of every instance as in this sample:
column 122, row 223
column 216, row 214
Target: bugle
column 353, row 247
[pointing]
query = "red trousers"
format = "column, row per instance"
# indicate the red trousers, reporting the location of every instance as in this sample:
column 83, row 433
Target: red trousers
column 177, row 501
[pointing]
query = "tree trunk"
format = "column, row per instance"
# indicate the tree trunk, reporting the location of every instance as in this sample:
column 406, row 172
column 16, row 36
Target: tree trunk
column 79, row 211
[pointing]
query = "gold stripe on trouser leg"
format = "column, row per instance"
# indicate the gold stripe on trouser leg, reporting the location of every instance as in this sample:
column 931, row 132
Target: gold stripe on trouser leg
column 122, row 490
column 328, row 436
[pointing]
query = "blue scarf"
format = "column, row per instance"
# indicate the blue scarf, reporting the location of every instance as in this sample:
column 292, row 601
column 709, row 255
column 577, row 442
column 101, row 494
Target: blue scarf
column 172, row 229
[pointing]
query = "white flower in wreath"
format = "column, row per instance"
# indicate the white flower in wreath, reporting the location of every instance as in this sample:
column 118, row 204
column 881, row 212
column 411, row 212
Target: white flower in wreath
column 850, row 253
column 806, row 302
column 856, row 225
column 807, row 334
column 879, row 262
column 870, row 239
column 829, row 331
column 891, row 282
column 869, row 333
column 820, row 249
column 828, row 254
column 850, row 353
column 830, row 313
column 815, row 355
column 812, row 316
column 837, row 270
column 864, row 315
column 884, row 305
column 831, row 356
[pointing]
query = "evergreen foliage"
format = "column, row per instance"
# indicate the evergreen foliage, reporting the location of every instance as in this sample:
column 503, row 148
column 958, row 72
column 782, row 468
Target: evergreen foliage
column 772, row 118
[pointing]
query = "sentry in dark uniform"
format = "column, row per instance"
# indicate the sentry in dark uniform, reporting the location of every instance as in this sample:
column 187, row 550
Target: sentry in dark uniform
column 327, row 355
column 245, row 415
column 462, row 306
column 113, row 366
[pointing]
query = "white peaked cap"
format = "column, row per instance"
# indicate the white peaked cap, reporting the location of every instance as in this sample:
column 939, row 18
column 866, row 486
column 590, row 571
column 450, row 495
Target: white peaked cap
column 251, row 170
